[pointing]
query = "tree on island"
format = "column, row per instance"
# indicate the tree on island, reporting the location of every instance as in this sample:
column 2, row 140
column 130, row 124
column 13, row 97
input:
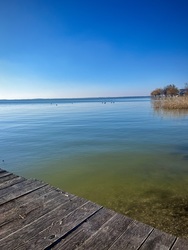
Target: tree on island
column 157, row 92
column 169, row 90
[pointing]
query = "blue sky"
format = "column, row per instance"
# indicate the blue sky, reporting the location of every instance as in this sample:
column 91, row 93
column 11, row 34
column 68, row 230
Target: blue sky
column 76, row 48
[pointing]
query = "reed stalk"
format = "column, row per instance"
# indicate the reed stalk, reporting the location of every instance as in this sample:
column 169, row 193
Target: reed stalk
column 176, row 102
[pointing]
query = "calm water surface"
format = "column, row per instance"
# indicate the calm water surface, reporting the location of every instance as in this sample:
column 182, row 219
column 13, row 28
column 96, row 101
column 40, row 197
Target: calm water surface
column 117, row 152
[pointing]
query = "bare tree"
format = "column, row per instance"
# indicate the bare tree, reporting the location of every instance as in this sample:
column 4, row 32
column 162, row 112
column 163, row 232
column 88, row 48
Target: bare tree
column 157, row 92
column 171, row 90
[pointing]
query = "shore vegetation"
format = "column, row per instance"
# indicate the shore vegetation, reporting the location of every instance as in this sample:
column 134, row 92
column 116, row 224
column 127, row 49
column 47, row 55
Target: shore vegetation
column 170, row 97
column 179, row 102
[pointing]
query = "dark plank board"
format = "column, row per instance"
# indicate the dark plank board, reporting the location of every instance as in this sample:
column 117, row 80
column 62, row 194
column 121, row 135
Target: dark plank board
column 7, row 177
column 180, row 244
column 8, row 190
column 62, row 226
column 19, row 217
column 158, row 240
column 20, row 237
column 11, row 182
column 19, row 189
column 26, row 198
column 4, row 173
column 85, row 230
column 108, row 233
column 133, row 237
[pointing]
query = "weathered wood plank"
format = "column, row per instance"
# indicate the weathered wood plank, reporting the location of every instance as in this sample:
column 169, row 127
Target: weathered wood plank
column 108, row 233
column 19, row 217
column 158, row 240
column 85, row 231
column 180, row 244
column 28, row 197
column 11, row 182
column 4, row 173
column 133, row 237
column 34, row 228
column 62, row 226
column 8, row 190
column 7, row 177
column 19, row 189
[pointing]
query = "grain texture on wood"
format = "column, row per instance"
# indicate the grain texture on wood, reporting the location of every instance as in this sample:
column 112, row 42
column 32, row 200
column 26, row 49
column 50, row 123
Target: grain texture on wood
column 158, row 240
column 23, row 215
column 180, row 244
column 108, row 233
column 62, row 226
column 4, row 173
column 133, row 237
column 19, row 189
column 11, row 182
column 7, row 177
column 85, row 231
column 34, row 228
column 26, row 198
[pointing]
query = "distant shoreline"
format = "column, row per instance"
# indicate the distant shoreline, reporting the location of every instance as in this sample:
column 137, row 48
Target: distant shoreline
column 74, row 98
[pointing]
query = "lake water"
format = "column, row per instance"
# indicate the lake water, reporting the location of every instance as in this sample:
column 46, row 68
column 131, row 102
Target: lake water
column 116, row 152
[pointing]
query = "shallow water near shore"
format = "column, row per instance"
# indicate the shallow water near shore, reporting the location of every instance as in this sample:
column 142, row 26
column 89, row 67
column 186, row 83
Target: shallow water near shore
column 116, row 152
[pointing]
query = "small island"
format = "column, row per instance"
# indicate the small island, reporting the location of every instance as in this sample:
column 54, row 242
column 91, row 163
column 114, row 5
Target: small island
column 170, row 97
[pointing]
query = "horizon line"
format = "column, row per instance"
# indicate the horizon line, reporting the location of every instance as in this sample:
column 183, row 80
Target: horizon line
column 66, row 98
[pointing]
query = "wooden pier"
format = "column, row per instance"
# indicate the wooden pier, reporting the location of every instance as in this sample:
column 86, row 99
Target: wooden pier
column 34, row 215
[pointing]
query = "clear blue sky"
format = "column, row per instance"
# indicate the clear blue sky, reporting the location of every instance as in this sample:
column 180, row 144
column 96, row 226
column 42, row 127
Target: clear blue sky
column 76, row 48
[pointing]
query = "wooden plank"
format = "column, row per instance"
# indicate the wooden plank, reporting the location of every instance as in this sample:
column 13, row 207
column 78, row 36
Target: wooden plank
column 8, row 190
column 62, row 226
column 29, row 197
column 34, row 228
column 11, row 182
column 180, row 244
column 4, row 173
column 24, row 199
column 7, row 177
column 85, row 231
column 133, row 237
column 108, row 233
column 19, row 217
column 158, row 240
column 19, row 189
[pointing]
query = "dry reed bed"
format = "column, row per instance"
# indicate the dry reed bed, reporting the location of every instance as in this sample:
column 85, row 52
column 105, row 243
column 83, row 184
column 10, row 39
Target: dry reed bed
column 178, row 102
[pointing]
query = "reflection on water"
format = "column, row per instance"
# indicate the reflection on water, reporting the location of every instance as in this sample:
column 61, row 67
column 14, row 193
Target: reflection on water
column 158, row 108
column 119, row 154
column 173, row 113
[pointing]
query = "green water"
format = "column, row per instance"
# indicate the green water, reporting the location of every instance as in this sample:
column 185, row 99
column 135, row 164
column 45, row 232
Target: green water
column 141, row 186
column 122, row 155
